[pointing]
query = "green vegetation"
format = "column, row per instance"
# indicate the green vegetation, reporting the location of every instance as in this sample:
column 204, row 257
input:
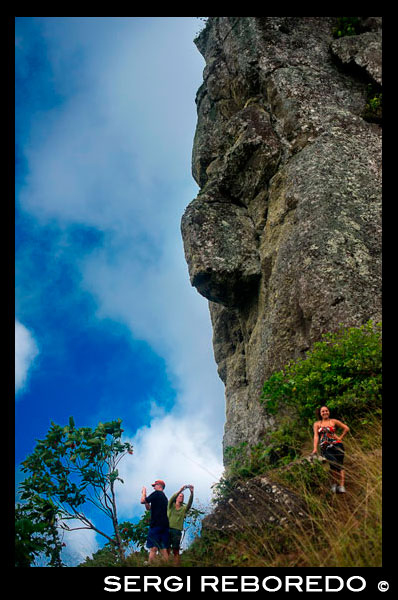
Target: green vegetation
column 374, row 105
column 133, row 536
column 69, row 470
column 346, row 26
column 136, row 534
column 342, row 530
column 343, row 370
column 36, row 534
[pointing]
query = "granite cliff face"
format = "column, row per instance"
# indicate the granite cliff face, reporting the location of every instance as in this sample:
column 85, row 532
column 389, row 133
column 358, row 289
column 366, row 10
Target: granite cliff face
column 284, row 238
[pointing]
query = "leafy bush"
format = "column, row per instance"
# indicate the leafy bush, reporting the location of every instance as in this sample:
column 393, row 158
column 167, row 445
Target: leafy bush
column 104, row 557
column 134, row 537
column 374, row 105
column 244, row 461
column 343, row 370
column 346, row 26
column 136, row 533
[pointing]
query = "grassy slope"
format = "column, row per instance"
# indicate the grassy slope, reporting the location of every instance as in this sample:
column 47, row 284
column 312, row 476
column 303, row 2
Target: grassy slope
column 344, row 530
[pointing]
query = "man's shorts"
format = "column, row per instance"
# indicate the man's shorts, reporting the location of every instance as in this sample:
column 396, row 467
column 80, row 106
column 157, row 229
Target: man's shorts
column 175, row 538
column 334, row 454
column 158, row 537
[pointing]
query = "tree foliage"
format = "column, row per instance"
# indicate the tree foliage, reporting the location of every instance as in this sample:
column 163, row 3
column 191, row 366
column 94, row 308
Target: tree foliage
column 36, row 534
column 343, row 370
column 72, row 468
column 135, row 534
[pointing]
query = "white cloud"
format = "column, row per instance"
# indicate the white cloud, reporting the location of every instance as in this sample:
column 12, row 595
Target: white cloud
column 26, row 351
column 123, row 134
column 161, row 307
column 78, row 544
column 179, row 451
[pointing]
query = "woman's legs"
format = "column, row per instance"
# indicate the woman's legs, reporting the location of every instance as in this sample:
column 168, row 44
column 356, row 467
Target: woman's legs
column 335, row 457
column 342, row 477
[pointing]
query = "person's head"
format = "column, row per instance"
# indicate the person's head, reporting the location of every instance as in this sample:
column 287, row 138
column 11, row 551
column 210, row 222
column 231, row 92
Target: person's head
column 323, row 412
column 180, row 498
column 159, row 485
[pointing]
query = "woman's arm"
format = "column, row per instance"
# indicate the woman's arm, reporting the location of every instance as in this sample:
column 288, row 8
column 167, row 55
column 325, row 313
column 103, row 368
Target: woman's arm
column 344, row 427
column 173, row 497
column 190, row 499
column 316, row 438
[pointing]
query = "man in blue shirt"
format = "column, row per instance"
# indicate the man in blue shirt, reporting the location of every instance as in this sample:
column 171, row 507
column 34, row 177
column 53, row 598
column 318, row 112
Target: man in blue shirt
column 158, row 534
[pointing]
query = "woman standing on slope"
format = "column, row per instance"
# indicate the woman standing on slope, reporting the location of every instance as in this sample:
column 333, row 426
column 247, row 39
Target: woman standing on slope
column 176, row 512
column 331, row 446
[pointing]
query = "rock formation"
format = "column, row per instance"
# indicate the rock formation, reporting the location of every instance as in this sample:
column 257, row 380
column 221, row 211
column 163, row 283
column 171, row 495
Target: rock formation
column 284, row 237
column 259, row 502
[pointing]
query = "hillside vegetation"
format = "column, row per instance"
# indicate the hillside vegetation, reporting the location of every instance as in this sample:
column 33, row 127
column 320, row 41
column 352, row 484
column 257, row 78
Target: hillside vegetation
column 343, row 371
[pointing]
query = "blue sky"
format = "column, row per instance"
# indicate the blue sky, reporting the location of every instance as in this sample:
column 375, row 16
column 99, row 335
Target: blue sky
column 107, row 323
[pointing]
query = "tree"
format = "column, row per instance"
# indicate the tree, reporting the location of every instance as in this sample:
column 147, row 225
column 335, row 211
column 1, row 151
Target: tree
column 136, row 533
column 36, row 534
column 73, row 467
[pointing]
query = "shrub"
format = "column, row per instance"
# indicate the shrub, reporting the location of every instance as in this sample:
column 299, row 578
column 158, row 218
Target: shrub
column 343, row 370
column 346, row 26
column 374, row 104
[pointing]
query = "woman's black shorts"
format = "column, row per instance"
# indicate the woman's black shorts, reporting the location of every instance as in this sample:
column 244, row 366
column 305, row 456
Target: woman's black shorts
column 334, row 454
column 175, row 538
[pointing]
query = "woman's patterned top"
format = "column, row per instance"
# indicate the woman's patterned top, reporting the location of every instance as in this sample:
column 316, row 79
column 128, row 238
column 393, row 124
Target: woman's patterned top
column 327, row 436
